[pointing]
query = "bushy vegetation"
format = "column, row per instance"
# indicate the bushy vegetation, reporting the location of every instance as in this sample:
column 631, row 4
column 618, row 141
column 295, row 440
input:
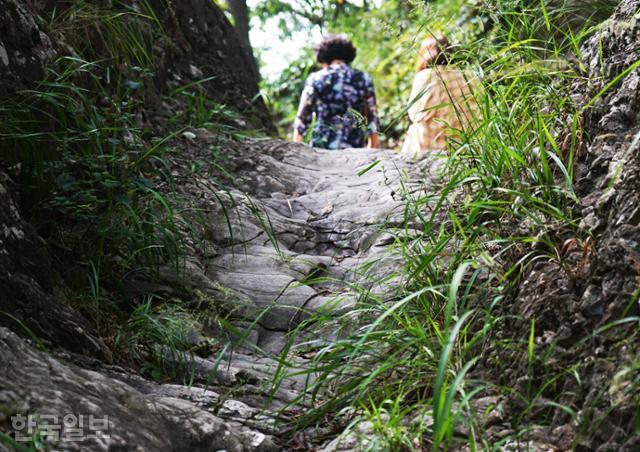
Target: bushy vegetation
column 95, row 176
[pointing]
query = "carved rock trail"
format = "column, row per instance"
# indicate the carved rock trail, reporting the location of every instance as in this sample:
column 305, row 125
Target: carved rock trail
column 290, row 240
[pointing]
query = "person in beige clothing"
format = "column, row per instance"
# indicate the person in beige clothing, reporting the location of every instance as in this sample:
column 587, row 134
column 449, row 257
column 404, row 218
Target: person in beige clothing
column 441, row 101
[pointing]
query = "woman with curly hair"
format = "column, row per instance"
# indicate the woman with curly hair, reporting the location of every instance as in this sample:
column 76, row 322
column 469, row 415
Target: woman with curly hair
column 341, row 99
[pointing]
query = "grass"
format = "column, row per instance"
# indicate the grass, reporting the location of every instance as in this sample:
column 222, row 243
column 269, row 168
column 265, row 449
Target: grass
column 160, row 336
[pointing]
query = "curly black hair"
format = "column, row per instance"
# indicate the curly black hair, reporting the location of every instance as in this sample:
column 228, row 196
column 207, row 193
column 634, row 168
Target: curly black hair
column 337, row 47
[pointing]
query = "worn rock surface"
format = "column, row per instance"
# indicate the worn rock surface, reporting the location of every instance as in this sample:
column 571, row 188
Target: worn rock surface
column 124, row 418
column 291, row 238
column 268, row 248
column 27, row 300
column 288, row 241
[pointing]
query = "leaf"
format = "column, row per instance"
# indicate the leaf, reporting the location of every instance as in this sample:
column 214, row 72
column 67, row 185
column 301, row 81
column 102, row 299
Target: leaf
column 134, row 84
column 368, row 168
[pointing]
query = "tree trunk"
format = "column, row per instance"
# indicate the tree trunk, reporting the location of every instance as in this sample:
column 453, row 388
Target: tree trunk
column 240, row 13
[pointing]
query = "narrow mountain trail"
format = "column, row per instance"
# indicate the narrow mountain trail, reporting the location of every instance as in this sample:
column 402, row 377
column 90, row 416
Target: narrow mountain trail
column 170, row 282
column 304, row 232
column 296, row 239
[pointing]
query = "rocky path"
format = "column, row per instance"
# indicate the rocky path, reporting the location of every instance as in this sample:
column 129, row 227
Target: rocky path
column 301, row 232
column 291, row 240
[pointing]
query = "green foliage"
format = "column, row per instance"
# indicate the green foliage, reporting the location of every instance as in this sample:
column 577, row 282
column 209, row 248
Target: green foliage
column 87, row 171
column 34, row 445
column 95, row 179
column 199, row 111
column 283, row 94
column 88, row 166
column 304, row 14
column 119, row 34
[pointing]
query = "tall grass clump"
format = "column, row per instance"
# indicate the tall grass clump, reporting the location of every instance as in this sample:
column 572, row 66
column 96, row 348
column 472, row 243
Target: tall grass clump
column 94, row 174
column 160, row 336
column 85, row 155
column 504, row 202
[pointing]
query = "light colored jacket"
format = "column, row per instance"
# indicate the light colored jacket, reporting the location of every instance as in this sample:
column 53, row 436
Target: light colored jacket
column 441, row 104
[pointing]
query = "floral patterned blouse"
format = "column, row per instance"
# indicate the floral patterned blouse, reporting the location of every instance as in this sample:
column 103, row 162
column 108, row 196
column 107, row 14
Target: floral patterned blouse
column 344, row 104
